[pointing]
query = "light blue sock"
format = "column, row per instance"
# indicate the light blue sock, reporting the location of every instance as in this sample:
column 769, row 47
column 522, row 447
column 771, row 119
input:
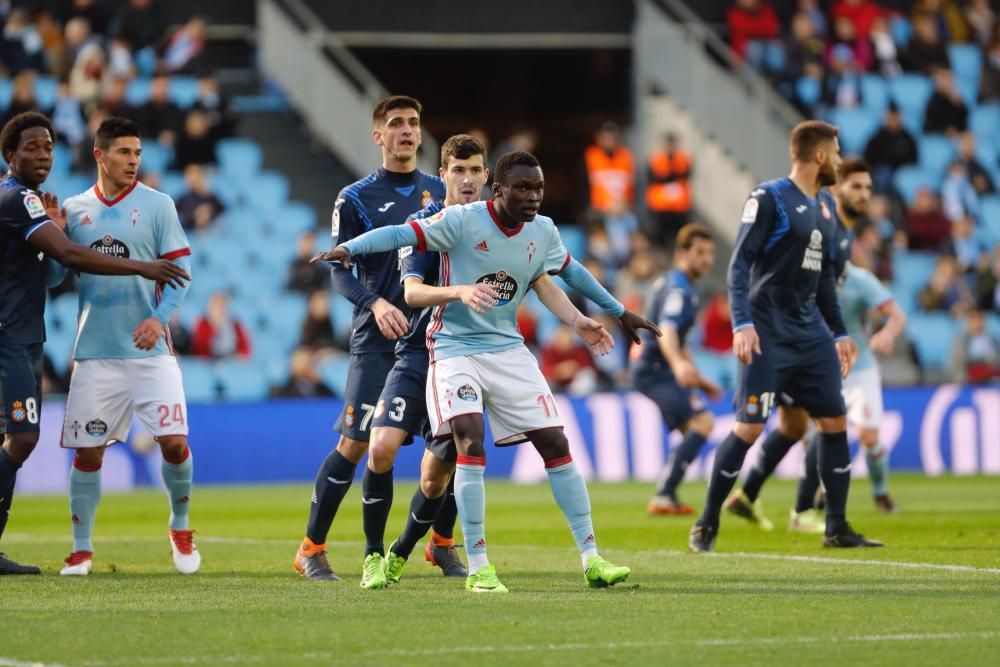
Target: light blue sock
column 878, row 469
column 84, row 496
column 177, row 477
column 470, row 496
column 570, row 492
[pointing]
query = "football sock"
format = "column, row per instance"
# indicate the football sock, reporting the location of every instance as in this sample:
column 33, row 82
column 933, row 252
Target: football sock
column 570, row 492
column 809, row 482
column 376, row 498
column 470, row 496
column 418, row 522
column 681, row 459
column 772, row 450
column 835, row 471
column 728, row 462
column 177, row 475
column 332, row 482
column 84, row 497
column 878, row 469
column 444, row 524
column 8, row 475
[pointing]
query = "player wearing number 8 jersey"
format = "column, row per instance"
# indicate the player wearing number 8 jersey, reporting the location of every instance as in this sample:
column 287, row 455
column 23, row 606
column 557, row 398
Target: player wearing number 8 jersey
column 124, row 360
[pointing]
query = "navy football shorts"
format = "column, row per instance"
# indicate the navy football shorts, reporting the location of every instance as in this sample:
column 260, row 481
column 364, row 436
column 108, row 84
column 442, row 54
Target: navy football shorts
column 20, row 387
column 403, row 403
column 676, row 403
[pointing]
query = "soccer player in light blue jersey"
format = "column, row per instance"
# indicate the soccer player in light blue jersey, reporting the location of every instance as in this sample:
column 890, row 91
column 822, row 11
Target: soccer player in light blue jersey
column 124, row 359
column 478, row 359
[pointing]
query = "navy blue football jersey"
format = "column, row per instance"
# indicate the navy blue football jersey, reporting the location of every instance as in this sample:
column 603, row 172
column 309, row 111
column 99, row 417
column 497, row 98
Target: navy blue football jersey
column 675, row 304
column 383, row 198
column 423, row 265
column 783, row 259
column 22, row 272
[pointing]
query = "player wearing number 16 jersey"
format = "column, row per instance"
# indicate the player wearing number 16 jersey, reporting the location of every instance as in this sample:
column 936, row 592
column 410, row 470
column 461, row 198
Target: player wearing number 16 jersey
column 124, row 360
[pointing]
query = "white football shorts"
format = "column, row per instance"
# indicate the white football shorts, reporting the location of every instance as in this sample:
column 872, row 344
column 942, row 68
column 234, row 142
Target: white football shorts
column 863, row 396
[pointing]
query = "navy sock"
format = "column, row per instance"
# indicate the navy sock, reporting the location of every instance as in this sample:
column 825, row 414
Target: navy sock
column 8, row 475
column 835, row 471
column 376, row 496
column 681, row 459
column 444, row 524
column 809, row 483
column 423, row 511
column 332, row 482
column 728, row 462
column 773, row 449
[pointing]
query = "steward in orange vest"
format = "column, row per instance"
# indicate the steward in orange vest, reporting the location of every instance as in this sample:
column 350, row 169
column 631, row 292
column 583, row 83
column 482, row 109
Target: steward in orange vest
column 610, row 170
column 669, row 188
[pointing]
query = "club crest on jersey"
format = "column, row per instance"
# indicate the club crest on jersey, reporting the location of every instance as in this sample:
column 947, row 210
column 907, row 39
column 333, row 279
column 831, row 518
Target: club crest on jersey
column 135, row 215
column 17, row 412
column 349, row 416
column 34, row 205
column 85, row 220
column 751, row 406
column 531, row 251
column 109, row 245
column 437, row 216
column 426, row 199
column 96, row 427
column 503, row 283
column 813, row 258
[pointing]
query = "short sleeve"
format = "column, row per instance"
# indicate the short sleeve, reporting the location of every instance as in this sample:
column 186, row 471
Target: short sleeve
column 416, row 264
column 556, row 256
column 875, row 293
column 441, row 231
column 24, row 213
column 171, row 240
column 674, row 310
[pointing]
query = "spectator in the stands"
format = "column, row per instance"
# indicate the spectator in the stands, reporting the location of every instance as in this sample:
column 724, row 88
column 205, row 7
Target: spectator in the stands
column 600, row 247
column 141, row 22
column 636, row 279
column 717, row 324
column 114, row 102
column 219, row 335
column 861, row 13
column 846, row 39
column 185, row 46
column 50, row 32
column 159, row 118
column 946, row 111
column 317, row 328
column 668, row 191
column 22, row 96
column 927, row 228
column 890, row 148
column 609, row 170
column 198, row 207
column 871, row 251
column 945, row 291
column 975, row 354
column 210, row 99
column 87, row 78
column 68, row 118
column 965, row 245
column 987, row 283
column 303, row 379
column 303, row 276
column 567, row 364
column 842, row 86
column 958, row 197
column 949, row 24
column 803, row 46
column 180, row 337
column 926, row 50
column 978, row 176
column 989, row 85
column 121, row 64
column 982, row 19
column 21, row 45
column 78, row 34
column 195, row 145
column 83, row 156
column 754, row 32
column 885, row 49
column 93, row 11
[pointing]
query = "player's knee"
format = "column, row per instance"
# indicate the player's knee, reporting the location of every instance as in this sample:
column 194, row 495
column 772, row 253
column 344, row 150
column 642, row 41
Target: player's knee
column 20, row 445
column 174, row 448
column 794, row 423
column 434, row 487
column 351, row 449
column 382, row 451
column 551, row 443
column 833, row 424
column 703, row 423
column 88, row 458
column 748, row 432
column 869, row 437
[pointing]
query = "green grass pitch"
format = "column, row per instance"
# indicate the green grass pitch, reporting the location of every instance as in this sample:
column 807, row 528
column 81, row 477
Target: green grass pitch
column 932, row 596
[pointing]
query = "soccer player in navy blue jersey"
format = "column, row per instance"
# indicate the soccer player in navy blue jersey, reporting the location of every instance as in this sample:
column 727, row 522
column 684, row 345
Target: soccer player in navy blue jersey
column 789, row 334
column 664, row 371
column 30, row 230
column 387, row 196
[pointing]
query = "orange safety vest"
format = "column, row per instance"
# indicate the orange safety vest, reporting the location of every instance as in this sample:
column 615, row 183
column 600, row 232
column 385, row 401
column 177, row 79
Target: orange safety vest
column 672, row 197
column 611, row 178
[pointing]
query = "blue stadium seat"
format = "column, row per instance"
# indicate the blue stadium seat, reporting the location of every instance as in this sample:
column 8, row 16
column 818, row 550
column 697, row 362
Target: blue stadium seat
column 856, row 127
column 172, row 183
column 67, row 185
column 288, row 309
column 334, row 373
column 986, row 151
column 137, row 91
column 227, row 189
column 155, row 157
column 905, row 296
column 575, row 240
column 909, row 179
column 901, row 30
column 808, row 90
column 62, row 160
column 936, row 153
column 342, row 315
column 267, row 192
column 297, row 218
column 183, row 90
column 46, row 91
column 993, row 324
column 200, row 384
column 64, row 311
column 6, row 91
column 990, row 215
column 239, row 158
column 59, row 347
column 242, row 380
column 932, row 334
column 911, row 270
column 984, row 121
column 966, row 63
column 911, row 92
column 874, row 93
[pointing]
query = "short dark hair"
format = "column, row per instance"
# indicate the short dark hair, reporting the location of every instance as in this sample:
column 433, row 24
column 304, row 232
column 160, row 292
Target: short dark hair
column 461, row 147
column 508, row 161
column 383, row 108
column 690, row 233
column 807, row 135
column 854, row 165
column 10, row 136
column 112, row 128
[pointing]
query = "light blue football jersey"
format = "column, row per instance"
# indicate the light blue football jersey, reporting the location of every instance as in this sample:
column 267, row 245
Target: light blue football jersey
column 141, row 224
column 861, row 293
column 476, row 248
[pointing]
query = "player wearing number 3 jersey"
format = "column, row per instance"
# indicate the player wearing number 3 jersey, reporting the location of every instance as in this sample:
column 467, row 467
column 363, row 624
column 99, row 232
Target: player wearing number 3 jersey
column 124, row 360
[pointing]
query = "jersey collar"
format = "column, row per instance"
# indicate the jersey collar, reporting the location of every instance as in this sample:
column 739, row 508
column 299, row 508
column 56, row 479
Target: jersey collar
column 508, row 232
column 124, row 193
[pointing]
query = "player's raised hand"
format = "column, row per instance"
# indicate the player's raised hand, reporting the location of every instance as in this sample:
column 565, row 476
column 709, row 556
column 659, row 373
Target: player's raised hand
column 338, row 254
column 391, row 321
column 147, row 333
column 847, row 350
column 480, row 297
column 631, row 323
column 165, row 271
column 745, row 343
column 593, row 333
column 882, row 343
column 50, row 203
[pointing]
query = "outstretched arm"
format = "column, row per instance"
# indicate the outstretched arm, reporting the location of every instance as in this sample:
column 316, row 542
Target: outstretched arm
column 479, row 297
column 591, row 331
column 579, row 278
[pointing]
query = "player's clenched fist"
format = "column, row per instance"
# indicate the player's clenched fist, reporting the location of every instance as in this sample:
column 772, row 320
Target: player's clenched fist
column 338, row 254
column 391, row 321
column 745, row 343
column 480, row 297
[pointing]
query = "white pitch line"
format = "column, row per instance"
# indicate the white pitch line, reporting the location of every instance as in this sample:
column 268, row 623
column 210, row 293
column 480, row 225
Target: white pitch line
column 30, row 538
column 11, row 662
